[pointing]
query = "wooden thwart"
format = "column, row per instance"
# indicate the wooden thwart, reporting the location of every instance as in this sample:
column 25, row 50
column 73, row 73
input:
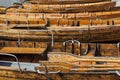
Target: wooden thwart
column 20, row 50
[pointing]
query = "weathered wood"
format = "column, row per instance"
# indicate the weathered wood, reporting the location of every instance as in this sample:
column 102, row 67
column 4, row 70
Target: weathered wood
column 15, row 75
column 2, row 9
column 21, row 50
column 59, row 8
column 64, row 9
column 72, row 58
column 22, row 47
column 105, row 49
column 54, row 22
column 57, row 19
column 83, row 34
column 68, row 70
column 52, row 63
column 63, row 2
column 72, row 65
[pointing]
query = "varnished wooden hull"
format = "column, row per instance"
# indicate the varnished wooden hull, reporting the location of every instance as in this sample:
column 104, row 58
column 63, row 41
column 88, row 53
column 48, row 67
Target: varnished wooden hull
column 75, row 16
column 15, row 75
column 107, row 71
column 69, row 61
column 64, row 9
column 34, row 20
column 83, row 34
column 34, row 23
column 64, row 2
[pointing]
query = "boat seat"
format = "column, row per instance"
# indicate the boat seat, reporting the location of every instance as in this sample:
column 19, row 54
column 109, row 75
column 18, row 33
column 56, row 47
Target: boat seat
column 21, row 50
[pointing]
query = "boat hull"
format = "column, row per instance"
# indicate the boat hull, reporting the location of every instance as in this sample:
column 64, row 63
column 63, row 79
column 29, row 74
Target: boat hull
column 15, row 75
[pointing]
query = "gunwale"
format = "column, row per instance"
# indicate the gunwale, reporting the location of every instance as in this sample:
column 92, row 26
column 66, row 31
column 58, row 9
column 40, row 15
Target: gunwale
column 64, row 9
column 43, row 2
column 62, row 16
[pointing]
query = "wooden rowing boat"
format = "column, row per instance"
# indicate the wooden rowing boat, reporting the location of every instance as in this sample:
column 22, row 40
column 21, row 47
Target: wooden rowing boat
column 86, row 63
column 91, row 15
column 56, row 51
column 2, row 9
column 43, row 23
column 98, row 33
column 64, row 9
column 63, row 2
column 39, row 19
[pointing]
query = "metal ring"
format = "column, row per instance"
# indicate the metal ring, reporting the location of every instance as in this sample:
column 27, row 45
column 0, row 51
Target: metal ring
column 107, row 8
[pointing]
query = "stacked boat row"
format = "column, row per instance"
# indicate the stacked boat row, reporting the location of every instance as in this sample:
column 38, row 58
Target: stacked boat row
column 84, row 17
column 36, row 27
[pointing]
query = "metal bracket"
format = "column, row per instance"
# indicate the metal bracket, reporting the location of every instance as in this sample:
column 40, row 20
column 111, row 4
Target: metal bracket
column 5, row 54
column 46, row 72
column 43, row 72
column 118, row 45
column 19, row 38
column 117, row 72
column 107, row 8
column 87, row 50
column 72, row 42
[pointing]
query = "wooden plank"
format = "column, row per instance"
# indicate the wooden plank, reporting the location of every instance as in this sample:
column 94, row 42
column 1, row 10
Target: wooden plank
column 43, row 2
column 74, row 58
column 61, row 34
column 8, row 68
column 69, row 70
column 56, row 8
column 51, row 63
column 22, row 50
column 73, row 65
column 53, row 68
